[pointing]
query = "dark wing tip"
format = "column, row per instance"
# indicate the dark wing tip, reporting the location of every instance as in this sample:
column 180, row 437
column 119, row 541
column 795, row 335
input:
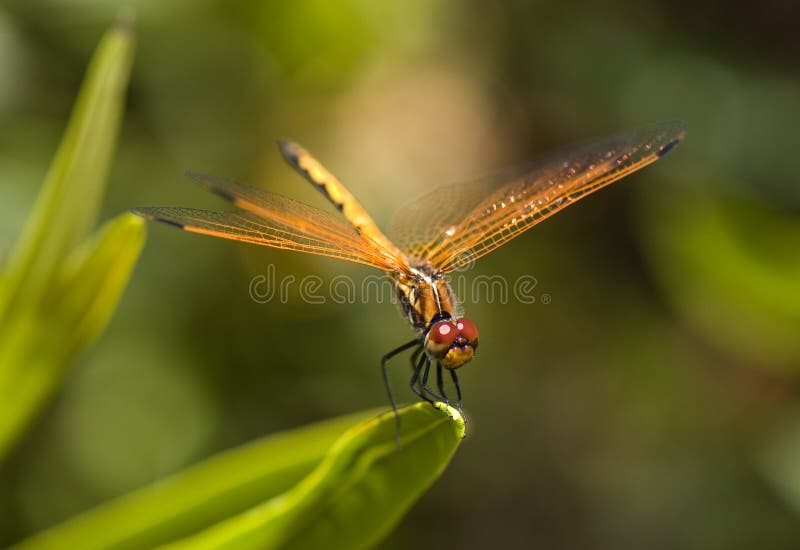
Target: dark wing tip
column 218, row 186
column 290, row 150
column 664, row 149
column 155, row 213
column 679, row 133
column 669, row 133
column 195, row 176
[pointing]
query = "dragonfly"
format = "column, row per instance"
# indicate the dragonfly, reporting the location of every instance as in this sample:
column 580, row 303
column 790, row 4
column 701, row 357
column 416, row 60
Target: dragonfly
column 440, row 232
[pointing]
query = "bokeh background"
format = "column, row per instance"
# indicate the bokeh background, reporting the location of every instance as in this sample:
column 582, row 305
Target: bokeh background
column 653, row 402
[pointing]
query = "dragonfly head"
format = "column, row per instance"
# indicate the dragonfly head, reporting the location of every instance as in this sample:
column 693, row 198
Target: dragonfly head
column 452, row 343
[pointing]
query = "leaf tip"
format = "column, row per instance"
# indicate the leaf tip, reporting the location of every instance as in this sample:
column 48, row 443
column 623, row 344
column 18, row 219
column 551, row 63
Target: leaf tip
column 459, row 422
column 126, row 20
column 133, row 220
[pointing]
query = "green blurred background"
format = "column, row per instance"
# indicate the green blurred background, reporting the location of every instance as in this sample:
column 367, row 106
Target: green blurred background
column 653, row 402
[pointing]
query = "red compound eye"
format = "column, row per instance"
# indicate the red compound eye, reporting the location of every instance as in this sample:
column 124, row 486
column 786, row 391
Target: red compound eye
column 467, row 329
column 443, row 332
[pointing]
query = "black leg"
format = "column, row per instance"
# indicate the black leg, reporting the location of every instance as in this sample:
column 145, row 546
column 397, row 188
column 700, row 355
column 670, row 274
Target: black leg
column 384, row 363
column 425, row 387
column 440, row 382
column 415, row 357
column 454, row 376
column 415, row 377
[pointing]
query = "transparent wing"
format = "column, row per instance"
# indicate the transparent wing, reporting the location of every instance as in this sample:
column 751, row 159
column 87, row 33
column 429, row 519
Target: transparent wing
column 276, row 221
column 455, row 224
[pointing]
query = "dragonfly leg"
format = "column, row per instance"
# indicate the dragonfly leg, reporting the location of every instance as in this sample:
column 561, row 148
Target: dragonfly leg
column 435, row 396
column 454, row 376
column 384, row 363
column 415, row 378
column 440, row 382
column 415, row 358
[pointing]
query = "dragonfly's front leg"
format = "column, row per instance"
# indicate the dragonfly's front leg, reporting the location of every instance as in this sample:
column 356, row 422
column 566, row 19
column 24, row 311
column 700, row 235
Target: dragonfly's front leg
column 454, row 376
column 384, row 364
column 425, row 387
column 415, row 378
column 440, row 382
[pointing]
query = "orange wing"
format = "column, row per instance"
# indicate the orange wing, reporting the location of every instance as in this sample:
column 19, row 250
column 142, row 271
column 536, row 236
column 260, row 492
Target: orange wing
column 270, row 219
column 338, row 195
column 455, row 224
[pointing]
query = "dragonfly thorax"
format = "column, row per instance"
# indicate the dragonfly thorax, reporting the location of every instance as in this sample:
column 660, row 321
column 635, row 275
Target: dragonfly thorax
column 424, row 297
column 428, row 303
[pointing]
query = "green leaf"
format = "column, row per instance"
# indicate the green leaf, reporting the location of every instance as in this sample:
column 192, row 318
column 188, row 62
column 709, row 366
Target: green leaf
column 356, row 495
column 57, row 294
column 296, row 490
column 201, row 495
column 731, row 267
column 68, row 203
column 38, row 346
column 779, row 460
column 93, row 278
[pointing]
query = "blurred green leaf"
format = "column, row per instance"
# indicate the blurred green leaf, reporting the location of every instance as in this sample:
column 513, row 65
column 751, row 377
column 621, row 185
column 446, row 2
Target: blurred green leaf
column 731, row 267
column 293, row 490
column 324, row 41
column 779, row 460
column 356, row 495
column 36, row 346
column 94, row 276
column 67, row 206
column 57, row 294
column 201, row 495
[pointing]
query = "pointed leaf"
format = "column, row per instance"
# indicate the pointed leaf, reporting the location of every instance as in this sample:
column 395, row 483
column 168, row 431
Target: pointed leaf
column 45, row 322
column 93, row 279
column 67, row 206
column 201, row 495
column 342, row 478
column 38, row 347
column 356, row 495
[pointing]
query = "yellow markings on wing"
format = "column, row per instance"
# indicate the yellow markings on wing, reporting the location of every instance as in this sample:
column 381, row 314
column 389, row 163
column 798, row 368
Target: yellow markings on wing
column 313, row 171
column 454, row 225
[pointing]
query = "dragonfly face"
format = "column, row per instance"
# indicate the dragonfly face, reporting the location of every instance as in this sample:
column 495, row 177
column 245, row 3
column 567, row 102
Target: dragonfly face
column 452, row 343
column 435, row 235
